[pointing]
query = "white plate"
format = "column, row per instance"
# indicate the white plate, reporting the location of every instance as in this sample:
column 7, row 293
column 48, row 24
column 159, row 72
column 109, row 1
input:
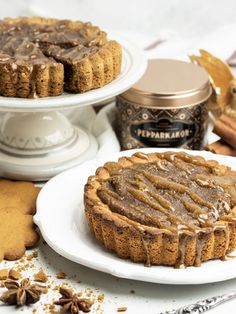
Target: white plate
column 60, row 217
column 133, row 66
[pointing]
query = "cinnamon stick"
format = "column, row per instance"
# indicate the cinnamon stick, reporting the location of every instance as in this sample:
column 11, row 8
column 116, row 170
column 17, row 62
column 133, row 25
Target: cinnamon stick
column 229, row 121
column 225, row 127
column 221, row 148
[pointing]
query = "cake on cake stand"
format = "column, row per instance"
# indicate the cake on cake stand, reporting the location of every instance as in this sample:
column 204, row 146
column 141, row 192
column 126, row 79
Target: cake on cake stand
column 37, row 141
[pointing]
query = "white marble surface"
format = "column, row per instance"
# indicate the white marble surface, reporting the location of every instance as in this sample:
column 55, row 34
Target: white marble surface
column 185, row 22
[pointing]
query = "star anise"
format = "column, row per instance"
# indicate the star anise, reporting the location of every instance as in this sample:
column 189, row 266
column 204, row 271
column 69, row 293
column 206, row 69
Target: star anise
column 72, row 303
column 21, row 293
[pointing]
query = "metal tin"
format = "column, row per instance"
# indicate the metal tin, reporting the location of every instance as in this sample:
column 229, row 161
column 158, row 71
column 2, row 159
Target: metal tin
column 166, row 108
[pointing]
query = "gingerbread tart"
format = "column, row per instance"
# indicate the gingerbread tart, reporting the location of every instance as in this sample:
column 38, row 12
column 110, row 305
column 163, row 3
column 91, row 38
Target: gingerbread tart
column 43, row 57
column 163, row 208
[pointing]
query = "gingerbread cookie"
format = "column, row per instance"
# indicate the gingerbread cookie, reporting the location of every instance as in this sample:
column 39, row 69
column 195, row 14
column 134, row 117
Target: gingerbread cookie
column 17, row 206
column 20, row 191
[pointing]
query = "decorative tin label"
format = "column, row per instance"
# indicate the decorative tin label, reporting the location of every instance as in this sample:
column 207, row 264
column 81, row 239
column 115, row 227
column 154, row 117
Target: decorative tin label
column 163, row 133
column 139, row 126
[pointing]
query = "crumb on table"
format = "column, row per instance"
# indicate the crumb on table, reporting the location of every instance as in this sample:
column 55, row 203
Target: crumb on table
column 61, row 275
column 3, row 274
column 122, row 309
column 14, row 274
column 41, row 276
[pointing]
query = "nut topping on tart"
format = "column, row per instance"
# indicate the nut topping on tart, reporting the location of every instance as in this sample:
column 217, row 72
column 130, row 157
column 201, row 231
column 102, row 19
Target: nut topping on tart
column 163, row 208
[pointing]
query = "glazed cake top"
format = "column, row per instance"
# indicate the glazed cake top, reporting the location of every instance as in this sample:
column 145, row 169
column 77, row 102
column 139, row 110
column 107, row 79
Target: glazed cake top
column 176, row 191
column 39, row 40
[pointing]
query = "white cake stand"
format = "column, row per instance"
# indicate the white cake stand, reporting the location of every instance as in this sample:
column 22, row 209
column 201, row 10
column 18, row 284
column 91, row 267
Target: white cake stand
column 37, row 141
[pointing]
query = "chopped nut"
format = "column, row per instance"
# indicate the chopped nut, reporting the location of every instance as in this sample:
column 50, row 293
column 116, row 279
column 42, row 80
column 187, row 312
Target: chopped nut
column 31, row 256
column 61, row 275
column 41, row 276
column 56, row 288
column 35, row 254
column 51, row 307
column 3, row 274
column 14, row 274
column 122, row 309
column 101, row 297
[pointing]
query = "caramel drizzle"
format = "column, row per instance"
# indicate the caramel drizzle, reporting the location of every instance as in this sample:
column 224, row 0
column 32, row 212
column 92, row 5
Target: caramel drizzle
column 181, row 165
column 23, row 41
column 139, row 209
column 163, row 183
column 184, row 166
column 182, row 249
column 142, row 210
column 143, row 197
column 199, row 250
column 195, row 211
column 189, row 206
column 145, row 246
column 112, row 194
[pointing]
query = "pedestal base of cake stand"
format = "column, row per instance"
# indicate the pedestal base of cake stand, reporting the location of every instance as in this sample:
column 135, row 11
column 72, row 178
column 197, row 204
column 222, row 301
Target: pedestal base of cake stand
column 37, row 142
column 36, row 146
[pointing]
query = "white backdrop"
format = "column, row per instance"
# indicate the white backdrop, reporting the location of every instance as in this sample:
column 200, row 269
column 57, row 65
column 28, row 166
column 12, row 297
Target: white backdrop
column 186, row 17
column 185, row 25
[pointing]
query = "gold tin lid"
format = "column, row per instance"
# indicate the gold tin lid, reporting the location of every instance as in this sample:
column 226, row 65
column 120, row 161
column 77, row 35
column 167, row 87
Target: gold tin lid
column 170, row 83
